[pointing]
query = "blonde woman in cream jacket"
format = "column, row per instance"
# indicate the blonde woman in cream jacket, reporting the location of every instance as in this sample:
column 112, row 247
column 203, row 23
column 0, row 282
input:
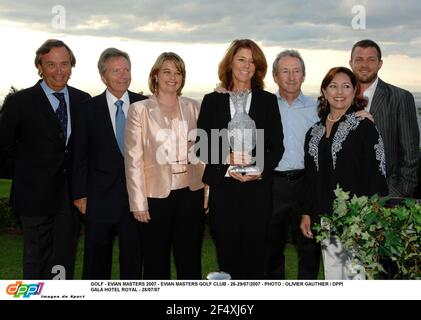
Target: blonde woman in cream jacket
column 165, row 189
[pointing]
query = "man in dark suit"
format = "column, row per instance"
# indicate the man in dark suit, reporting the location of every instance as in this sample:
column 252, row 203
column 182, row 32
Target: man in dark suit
column 6, row 164
column 99, row 182
column 394, row 113
column 36, row 132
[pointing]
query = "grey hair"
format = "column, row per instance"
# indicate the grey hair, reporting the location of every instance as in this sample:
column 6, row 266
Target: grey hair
column 108, row 54
column 288, row 53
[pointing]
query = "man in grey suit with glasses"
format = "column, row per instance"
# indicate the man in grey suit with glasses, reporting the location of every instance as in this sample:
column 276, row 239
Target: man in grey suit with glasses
column 394, row 113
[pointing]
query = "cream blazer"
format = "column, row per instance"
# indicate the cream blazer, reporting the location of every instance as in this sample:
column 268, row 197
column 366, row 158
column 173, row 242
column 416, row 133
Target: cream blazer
column 148, row 172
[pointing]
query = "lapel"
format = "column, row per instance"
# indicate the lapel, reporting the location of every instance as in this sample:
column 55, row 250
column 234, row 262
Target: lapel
column 102, row 116
column 133, row 97
column 188, row 114
column 253, row 105
column 43, row 104
column 155, row 113
column 73, row 98
column 378, row 97
column 226, row 111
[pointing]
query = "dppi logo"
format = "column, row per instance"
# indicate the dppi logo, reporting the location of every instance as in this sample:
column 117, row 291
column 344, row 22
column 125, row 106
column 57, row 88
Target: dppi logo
column 18, row 289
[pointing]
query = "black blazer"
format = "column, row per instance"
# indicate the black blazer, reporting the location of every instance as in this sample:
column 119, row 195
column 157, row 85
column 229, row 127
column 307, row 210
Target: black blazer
column 215, row 114
column 31, row 135
column 353, row 158
column 98, row 172
column 395, row 115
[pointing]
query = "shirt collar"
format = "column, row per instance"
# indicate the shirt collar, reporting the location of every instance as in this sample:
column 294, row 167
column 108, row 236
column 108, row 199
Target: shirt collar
column 301, row 98
column 370, row 90
column 48, row 90
column 112, row 99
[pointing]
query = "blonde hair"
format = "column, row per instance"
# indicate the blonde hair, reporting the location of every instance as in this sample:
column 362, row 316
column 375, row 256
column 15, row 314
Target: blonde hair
column 166, row 56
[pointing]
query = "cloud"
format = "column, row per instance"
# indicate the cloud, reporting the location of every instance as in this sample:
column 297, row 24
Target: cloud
column 298, row 24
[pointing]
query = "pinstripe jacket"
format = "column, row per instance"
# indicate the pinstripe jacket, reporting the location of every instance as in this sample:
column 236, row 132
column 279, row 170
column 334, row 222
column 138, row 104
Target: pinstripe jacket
column 394, row 113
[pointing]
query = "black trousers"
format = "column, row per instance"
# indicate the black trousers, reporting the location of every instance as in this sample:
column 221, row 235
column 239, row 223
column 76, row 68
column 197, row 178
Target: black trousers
column 239, row 216
column 99, row 238
column 177, row 224
column 50, row 244
column 286, row 215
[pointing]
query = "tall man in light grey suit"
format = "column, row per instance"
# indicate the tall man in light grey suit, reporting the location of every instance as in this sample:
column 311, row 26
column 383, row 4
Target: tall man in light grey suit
column 394, row 113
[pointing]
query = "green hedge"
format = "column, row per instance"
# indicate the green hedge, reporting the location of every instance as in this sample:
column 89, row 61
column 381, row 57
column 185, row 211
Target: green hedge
column 7, row 218
column 377, row 229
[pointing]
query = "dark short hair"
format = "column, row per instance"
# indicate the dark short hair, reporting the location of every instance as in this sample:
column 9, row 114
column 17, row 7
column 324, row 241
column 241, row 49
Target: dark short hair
column 225, row 66
column 50, row 44
column 324, row 106
column 108, row 54
column 367, row 43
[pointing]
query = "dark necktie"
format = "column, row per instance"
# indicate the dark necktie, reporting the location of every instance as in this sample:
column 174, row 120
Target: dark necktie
column 61, row 112
column 120, row 123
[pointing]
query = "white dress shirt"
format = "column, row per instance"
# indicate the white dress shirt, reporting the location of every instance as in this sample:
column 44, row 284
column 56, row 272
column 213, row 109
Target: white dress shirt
column 112, row 108
column 369, row 93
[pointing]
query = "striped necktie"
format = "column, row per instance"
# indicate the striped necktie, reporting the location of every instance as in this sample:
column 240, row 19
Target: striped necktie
column 61, row 112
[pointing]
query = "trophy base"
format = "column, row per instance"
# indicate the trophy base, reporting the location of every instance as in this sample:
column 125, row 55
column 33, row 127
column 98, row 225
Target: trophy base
column 218, row 276
column 247, row 170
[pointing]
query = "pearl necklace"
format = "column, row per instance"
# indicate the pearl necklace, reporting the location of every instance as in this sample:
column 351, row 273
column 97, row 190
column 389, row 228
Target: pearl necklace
column 332, row 120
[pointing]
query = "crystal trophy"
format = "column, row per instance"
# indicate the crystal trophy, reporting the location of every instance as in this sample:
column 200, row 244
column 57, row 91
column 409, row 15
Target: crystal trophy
column 242, row 131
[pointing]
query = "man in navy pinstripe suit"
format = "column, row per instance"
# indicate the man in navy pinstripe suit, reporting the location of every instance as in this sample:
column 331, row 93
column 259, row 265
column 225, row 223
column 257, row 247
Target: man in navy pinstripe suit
column 394, row 113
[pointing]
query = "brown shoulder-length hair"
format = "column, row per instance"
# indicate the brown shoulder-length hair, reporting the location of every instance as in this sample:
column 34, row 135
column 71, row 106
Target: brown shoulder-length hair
column 359, row 103
column 225, row 66
column 179, row 64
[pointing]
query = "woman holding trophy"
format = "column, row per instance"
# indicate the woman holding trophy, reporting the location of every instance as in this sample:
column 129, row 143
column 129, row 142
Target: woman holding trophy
column 244, row 144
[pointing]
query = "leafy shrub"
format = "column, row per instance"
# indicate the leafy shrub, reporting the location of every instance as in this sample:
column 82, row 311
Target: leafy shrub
column 7, row 218
column 377, row 229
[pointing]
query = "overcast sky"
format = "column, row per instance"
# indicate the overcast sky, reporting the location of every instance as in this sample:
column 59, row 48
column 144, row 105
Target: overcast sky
column 294, row 23
column 311, row 26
